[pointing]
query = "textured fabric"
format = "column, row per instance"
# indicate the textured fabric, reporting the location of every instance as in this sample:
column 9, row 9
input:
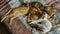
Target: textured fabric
column 14, row 3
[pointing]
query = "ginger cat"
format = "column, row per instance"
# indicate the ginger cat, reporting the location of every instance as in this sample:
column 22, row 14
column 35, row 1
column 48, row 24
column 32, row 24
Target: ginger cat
column 22, row 10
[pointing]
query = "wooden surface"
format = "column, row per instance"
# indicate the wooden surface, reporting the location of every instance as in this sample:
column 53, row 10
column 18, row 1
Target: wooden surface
column 54, row 3
column 2, row 3
column 17, row 27
column 4, row 7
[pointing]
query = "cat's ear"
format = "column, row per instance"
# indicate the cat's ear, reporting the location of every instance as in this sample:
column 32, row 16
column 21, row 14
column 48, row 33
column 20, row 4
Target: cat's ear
column 45, row 16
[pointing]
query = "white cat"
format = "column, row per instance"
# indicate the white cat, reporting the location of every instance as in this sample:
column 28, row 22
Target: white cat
column 45, row 23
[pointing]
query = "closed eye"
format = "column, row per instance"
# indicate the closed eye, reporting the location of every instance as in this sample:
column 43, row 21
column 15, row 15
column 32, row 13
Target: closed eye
column 39, row 23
